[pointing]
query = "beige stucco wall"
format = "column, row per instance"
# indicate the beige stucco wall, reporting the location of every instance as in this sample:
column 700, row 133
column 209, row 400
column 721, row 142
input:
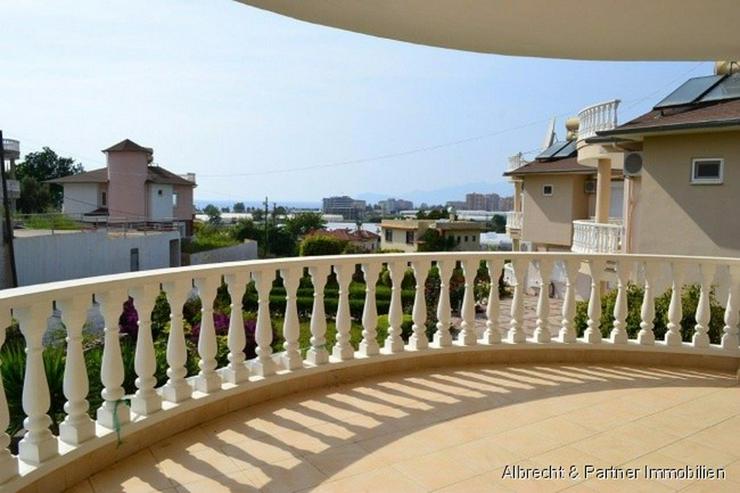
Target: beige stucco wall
column 184, row 209
column 549, row 219
column 674, row 216
column 398, row 240
column 127, row 174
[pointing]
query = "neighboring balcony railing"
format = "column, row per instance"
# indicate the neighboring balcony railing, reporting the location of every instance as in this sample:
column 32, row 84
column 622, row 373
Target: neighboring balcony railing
column 514, row 220
column 593, row 237
column 597, row 117
column 120, row 417
column 516, row 161
column 11, row 145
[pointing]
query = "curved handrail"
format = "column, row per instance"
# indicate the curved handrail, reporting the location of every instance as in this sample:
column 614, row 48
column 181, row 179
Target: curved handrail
column 30, row 306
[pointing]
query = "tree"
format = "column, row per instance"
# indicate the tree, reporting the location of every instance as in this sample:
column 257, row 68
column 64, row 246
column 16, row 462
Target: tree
column 35, row 196
column 321, row 245
column 238, row 207
column 432, row 241
column 225, row 209
column 42, row 166
column 213, row 213
column 258, row 214
column 498, row 223
column 301, row 224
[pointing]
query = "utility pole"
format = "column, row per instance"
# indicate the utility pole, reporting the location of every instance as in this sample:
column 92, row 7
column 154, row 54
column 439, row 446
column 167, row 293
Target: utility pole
column 8, row 226
column 267, row 203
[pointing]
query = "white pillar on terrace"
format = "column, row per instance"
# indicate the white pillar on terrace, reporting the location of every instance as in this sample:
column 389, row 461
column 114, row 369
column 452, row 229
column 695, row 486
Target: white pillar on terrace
column 114, row 412
column 177, row 389
column 418, row 340
column 369, row 344
column 146, row 400
column 236, row 371
column 207, row 380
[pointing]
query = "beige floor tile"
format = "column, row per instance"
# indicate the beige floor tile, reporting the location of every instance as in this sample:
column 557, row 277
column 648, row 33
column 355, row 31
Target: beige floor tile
column 186, row 467
column 436, row 470
column 286, row 476
column 227, row 483
column 254, row 451
column 485, row 454
column 345, row 460
column 139, row 473
column 81, row 487
column 477, row 484
column 385, row 480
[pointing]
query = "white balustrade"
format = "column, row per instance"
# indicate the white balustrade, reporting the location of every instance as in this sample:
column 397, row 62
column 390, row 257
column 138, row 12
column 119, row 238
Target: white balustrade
column 619, row 332
column 468, row 335
column 369, row 344
column 514, row 220
column 146, row 400
column 291, row 325
column 77, row 426
column 516, row 331
column 8, row 463
column 418, row 339
column 343, row 350
column 236, row 371
column 317, row 353
column 177, row 389
column 394, row 342
column 207, row 380
column 443, row 337
column 38, row 451
column 596, row 118
column 492, row 334
column 542, row 327
column 114, row 411
column 593, row 237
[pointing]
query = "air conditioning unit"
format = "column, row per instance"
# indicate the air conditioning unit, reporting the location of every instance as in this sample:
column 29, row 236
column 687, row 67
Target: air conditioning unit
column 590, row 186
column 633, row 164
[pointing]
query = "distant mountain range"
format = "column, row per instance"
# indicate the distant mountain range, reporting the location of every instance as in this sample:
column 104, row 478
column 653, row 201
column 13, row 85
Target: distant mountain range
column 442, row 195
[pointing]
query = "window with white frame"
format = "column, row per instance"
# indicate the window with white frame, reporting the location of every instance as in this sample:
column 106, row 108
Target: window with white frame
column 707, row 170
column 547, row 190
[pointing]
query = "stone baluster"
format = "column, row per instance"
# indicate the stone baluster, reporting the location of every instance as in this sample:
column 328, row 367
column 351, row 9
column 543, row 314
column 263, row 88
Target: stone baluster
column 394, row 342
column 567, row 330
column 730, row 336
column 418, row 340
column 264, row 365
column 468, row 334
column 38, row 444
column 619, row 332
column 8, row 463
column 703, row 312
column 207, row 380
column 542, row 329
column 516, row 331
column 177, row 389
column 593, row 330
column 114, row 412
column 442, row 336
column 291, row 325
column 146, row 400
column 646, row 336
column 77, row 426
column 492, row 334
column 317, row 353
column 675, row 311
column 343, row 350
column 369, row 344
column 236, row 371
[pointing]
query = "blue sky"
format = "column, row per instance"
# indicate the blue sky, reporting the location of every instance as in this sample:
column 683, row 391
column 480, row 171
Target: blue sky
column 223, row 90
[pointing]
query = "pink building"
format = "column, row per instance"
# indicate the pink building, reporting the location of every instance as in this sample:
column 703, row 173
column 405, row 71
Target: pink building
column 130, row 189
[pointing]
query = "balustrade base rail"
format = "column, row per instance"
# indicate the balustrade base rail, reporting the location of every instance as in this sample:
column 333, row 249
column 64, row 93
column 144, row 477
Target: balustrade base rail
column 154, row 411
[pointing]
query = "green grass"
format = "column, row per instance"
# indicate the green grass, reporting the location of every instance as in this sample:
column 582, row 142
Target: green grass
column 49, row 221
column 304, row 338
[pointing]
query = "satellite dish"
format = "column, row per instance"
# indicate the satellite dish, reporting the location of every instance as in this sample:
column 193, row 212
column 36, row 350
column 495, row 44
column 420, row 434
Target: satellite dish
column 549, row 135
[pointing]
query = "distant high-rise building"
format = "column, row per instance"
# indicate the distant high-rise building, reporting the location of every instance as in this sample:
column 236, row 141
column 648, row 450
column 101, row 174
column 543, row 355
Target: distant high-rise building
column 506, row 204
column 482, row 202
column 394, row 206
column 348, row 207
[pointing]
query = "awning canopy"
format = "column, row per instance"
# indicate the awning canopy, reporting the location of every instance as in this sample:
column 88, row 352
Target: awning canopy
column 590, row 30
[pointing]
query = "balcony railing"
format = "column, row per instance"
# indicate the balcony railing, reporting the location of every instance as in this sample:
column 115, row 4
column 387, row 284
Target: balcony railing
column 11, row 145
column 593, row 237
column 514, row 220
column 516, row 161
column 42, row 454
column 597, row 117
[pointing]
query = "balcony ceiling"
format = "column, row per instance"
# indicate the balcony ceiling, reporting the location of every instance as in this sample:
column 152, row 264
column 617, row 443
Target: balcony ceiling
column 596, row 30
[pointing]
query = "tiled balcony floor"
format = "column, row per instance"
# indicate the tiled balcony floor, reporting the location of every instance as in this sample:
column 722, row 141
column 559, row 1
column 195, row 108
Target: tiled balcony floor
column 455, row 429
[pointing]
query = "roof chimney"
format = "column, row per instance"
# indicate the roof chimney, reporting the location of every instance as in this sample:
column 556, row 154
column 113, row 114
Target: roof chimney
column 571, row 125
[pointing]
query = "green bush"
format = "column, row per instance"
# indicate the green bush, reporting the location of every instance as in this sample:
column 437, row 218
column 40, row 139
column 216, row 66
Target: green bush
column 319, row 244
column 689, row 303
